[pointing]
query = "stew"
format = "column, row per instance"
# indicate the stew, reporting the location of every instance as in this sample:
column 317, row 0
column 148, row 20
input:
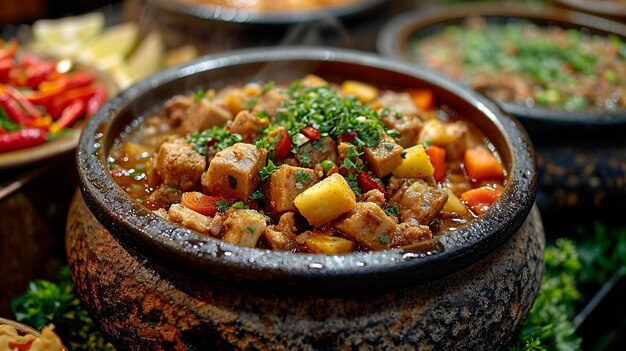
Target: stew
column 312, row 166
column 530, row 65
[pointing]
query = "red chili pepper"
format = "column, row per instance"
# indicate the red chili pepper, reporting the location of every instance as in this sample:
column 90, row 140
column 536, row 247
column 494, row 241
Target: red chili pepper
column 22, row 138
column 283, row 146
column 22, row 100
column 42, row 98
column 10, row 50
column 347, row 138
column 37, row 73
column 311, row 133
column 14, row 111
column 366, row 183
column 71, row 114
column 96, row 101
column 5, row 67
column 60, row 102
column 25, row 346
column 67, row 82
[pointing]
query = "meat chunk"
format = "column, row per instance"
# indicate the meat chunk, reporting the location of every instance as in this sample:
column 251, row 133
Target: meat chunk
column 189, row 218
column 204, row 114
column 248, row 126
column 368, row 225
column 243, row 227
column 153, row 178
column 314, row 153
column 451, row 136
column 287, row 183
column 179, row 165
column 176, row 109
column 268, row 103
column 408, row 233
column 384, row 157
column 418, row 201
column 234, row 171
column 399, row 102
column 409, row 127
column 282, row 235
column 163, row 197
column 376, row 196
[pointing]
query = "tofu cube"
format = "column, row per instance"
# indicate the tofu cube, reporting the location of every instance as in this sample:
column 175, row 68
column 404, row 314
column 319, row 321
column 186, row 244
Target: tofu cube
column 287, row 183
column 243, row 227
column 326, row 200
column 234, row 171
column 383, row 158
column 368, row 225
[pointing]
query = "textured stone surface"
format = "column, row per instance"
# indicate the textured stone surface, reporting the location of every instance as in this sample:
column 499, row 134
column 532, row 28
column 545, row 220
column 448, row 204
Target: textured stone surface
column 142, row 305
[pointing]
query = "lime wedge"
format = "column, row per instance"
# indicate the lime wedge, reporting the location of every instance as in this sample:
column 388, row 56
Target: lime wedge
column 111, row 47
column 66, row 35
column 148, row 57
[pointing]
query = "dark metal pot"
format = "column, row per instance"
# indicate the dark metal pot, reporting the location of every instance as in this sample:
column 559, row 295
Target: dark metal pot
column 152, row 284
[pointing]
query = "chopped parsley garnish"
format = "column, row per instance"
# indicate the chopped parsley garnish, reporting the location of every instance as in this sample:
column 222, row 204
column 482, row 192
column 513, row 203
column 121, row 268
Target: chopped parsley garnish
column 427, row 144
column 354, row 184
column 257, row 195
column 172, row 189
column 392, row 211
column 403, row 154
column 251, row 230
column 267, row 171
column 113, row 166
column 198, row 94
column 353, row 161
column 219, row 137
column 303, row 177
column 223, row 205
column 384, row 239
column 253, row 100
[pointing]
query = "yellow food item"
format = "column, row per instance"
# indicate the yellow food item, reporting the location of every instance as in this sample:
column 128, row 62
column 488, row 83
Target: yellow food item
column 416, row 164
column 328, row 245
column 326, row 200
column 454, row 205
column 48, row 341
column 111, row 48
column 364, row 92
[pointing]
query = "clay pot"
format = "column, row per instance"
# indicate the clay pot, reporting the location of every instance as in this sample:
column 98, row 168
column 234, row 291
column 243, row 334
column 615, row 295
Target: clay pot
column 185, row 285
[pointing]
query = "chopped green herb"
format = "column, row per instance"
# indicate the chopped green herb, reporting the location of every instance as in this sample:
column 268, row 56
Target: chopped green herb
column 403, row 154
column 140, row 200
column 354, row 184
column 198, row 95
column 353, row 160
column 303, row 177
column 223, row 205
column 253, row 100
column 113, row 166
column 240, row 205
column 267, row 171
column 219, row 137
column 392, row 211
column 383, row 239
column 172, row 189
column 251, row 230
column 427, row 144
column 257, row 195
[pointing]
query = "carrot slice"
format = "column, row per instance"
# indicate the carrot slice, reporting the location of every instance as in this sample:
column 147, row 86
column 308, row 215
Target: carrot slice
column 480, row 199
column 423, row 99
column 201, row 203
column 438, row 159
column 481, row 164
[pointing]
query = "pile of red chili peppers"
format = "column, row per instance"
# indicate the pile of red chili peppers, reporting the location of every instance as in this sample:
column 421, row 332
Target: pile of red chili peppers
column 38, row 101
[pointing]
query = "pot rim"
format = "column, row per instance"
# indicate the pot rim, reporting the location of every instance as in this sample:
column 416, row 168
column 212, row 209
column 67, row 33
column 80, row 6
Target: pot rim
column 146, row 232
column 207, row 12
column 394, row 35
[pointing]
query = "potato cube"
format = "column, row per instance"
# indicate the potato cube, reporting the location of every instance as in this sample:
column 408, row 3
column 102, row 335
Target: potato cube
column 287, row 183
column 383, row 158
column 234, row 171
column 368, row 225
column 453, row 205
column 328, row 245
column 416, row 164
column 189, row 218
column 243, row 227
column 363, row 91
column 326, row 200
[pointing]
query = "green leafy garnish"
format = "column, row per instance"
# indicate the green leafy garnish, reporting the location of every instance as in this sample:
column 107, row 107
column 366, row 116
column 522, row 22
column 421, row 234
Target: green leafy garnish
column 251, row 230
column 302, row 177
column 354, row 184
column 384, row 239
column 353, row 161
column 219, row 137
column 267, row 171
column 257, row 195
column 198, row 95
column 48, row 302
column 223, row 205
column 392, row 211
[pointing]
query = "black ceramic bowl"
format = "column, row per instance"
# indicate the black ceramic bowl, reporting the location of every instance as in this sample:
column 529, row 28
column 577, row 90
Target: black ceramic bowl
column 605, row 8
column 135, row 226
column 395, row 35
column 207, row 12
